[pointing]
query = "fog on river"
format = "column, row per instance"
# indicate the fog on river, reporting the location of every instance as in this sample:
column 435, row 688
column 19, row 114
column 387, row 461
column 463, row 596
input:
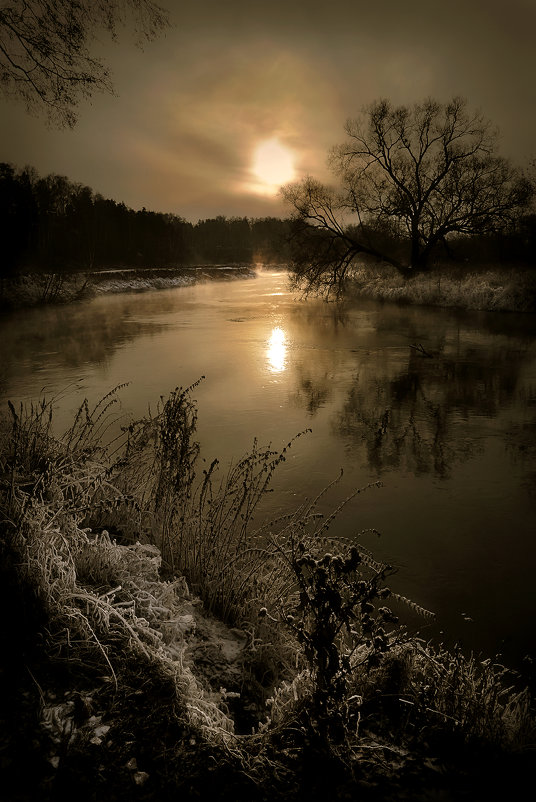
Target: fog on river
column 439, row 405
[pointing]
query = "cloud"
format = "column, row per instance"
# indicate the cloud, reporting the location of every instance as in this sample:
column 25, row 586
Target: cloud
column 201, row 142
column 190, row 109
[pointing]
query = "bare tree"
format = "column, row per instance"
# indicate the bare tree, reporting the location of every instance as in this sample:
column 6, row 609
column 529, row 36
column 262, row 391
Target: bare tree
column 408, row 175
column 45, row 55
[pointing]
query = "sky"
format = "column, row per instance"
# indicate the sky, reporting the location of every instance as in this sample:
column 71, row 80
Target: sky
column 239, row 96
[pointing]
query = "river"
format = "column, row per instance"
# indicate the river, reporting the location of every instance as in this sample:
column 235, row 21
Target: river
column 439, row 405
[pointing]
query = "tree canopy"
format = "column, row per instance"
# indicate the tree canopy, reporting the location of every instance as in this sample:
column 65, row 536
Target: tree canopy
column 45, row 49
column 410, row 177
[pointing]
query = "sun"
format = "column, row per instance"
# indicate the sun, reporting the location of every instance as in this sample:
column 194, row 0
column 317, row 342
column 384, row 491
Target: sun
column 273, row 164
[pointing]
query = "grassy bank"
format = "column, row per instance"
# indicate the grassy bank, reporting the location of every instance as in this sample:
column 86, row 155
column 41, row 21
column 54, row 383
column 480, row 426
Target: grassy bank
column 162, row 645
column 33, row 289
column 462, row 287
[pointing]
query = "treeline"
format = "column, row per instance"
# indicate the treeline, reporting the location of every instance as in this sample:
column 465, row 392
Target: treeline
column 52, row 223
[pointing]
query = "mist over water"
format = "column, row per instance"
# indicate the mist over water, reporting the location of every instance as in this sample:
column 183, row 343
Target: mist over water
column 440, row 406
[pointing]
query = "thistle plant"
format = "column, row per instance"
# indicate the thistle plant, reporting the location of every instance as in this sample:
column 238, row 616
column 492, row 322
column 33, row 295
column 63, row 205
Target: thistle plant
column 337, row 620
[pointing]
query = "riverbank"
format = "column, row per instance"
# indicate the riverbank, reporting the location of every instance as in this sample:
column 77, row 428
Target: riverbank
column 160, row 647
column 508, row 289
column 33, row 289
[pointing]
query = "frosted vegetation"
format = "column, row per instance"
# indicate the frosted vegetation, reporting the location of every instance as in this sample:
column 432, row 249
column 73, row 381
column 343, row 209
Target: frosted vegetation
column 32, row 289
column 488, row 288
column 164, row 640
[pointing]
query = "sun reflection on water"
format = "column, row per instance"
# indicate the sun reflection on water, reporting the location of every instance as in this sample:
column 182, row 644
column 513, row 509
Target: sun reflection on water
column 277, row 351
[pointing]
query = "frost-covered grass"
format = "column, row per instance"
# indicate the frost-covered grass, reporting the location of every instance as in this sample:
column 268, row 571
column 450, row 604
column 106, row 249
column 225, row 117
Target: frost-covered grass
column 492, row 289
column 32, row 289
column 120, row 686
column 110, row 283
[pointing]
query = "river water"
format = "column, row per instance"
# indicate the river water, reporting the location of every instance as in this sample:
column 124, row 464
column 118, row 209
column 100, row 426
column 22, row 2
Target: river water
column 438, row 405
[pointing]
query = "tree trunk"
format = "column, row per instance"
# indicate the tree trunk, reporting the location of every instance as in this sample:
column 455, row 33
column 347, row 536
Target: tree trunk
column 418, row 256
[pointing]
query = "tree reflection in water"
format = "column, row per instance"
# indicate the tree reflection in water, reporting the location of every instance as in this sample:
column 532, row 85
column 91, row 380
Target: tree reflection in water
column 419, row 409
column 415, row 421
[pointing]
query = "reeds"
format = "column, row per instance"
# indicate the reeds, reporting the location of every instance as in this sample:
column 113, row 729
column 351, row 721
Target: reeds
column 112, row 538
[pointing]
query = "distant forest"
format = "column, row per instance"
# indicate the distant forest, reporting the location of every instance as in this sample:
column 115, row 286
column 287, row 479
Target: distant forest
column 52, row 223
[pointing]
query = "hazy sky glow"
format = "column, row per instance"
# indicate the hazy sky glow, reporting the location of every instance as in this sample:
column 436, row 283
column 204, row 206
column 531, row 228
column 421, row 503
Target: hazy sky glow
column 191, row 110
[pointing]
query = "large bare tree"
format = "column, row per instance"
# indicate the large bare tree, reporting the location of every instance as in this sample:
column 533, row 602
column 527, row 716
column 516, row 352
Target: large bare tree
column 45, row 48
column 412, row 176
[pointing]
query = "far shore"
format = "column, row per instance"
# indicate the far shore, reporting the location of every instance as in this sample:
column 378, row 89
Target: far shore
column 467, row 287
column 36, row 288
